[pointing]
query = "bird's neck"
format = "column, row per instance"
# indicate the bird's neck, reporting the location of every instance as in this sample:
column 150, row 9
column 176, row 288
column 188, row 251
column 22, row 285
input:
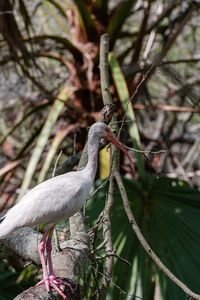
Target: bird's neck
column 93, row 147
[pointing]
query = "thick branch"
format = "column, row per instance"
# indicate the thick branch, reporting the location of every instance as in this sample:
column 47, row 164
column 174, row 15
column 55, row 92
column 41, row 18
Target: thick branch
column 108, row 238
column 107, row 233
column 104, row 51
column 24, row 242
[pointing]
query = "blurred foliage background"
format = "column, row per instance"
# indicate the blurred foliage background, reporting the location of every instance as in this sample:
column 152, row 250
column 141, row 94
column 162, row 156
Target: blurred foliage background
column 50, row 93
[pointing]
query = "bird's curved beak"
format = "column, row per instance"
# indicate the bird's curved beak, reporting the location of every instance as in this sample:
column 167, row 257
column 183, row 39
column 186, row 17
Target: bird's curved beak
column 110, row 137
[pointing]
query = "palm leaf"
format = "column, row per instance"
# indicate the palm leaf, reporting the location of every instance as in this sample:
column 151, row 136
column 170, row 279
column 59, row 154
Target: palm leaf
column 102, row 5
column 59, row 6
column 124, row 97
column 51, row 153
column 167, row 212
column 41, row 106
column 67, row 44
column 25, row 15
column 117, row 21
column 59, row 12
column 43, row 137
column 58, row 139
column 87, row 22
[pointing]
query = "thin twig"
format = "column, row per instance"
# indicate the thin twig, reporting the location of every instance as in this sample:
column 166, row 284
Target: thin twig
column 181, row 61
column 6, row 12
column 100, row 247
column 99, row 188
column 117, row 286
column 145, row 151
column 74, row 143
column 189, row 174
column 115, row 255
column 56, row 163
column 166, row 108
column 144, row 78
column 56, row 239
column 179, row 165
column 93, row 234
column 175, row 160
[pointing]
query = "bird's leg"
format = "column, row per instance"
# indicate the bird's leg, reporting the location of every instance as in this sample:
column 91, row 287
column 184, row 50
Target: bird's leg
column 49, row 249
column 41, row 249
column 47, row 280
column 50, row 280
column 52, row 277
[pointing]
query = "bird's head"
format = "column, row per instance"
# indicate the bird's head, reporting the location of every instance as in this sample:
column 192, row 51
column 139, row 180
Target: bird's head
column 101, row 130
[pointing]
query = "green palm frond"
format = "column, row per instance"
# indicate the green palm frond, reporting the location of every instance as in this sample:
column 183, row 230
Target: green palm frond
column 167, row 212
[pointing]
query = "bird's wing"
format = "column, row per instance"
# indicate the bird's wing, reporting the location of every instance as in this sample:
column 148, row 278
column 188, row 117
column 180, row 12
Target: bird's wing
column 49, row 202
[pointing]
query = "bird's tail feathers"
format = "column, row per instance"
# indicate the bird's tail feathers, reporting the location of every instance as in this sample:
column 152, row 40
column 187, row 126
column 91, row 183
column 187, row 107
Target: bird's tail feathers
column 2, row 218
column 6, row 227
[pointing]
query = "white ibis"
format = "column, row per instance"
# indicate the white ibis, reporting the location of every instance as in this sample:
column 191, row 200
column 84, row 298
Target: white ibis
column 57, row 199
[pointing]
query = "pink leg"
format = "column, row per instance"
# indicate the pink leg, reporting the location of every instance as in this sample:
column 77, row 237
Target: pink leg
column 57, row 281
column 41, row 248
column 49, row 249
column 50, row 280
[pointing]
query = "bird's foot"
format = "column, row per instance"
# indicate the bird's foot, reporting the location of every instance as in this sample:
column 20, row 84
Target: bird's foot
column 56, row 283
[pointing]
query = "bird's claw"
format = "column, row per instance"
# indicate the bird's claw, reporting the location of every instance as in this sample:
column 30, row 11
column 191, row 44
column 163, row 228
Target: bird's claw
column 57, row 284
column 61, row 281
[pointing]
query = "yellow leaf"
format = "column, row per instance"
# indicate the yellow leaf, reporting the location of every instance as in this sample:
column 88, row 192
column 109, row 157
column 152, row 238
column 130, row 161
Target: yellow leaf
column 104, row 163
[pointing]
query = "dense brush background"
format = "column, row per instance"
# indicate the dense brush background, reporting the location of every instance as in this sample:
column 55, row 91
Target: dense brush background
column 50, row 94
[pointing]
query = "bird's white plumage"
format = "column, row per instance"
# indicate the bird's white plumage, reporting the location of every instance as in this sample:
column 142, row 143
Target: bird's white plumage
column 59, row 197
column 56, row 199
column 49, row 202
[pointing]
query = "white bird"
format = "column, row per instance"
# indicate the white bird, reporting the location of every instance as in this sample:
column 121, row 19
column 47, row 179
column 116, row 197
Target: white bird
column 57, row 199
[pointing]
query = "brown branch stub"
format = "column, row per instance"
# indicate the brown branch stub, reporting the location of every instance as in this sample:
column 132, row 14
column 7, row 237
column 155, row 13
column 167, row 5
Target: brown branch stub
column 166, row 108
column 105, row 116
column 106, row 113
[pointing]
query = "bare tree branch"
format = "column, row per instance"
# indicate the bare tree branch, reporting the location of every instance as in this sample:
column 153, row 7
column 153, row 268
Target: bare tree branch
column 108, row 238
column 24, row 242
column 107, row 234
